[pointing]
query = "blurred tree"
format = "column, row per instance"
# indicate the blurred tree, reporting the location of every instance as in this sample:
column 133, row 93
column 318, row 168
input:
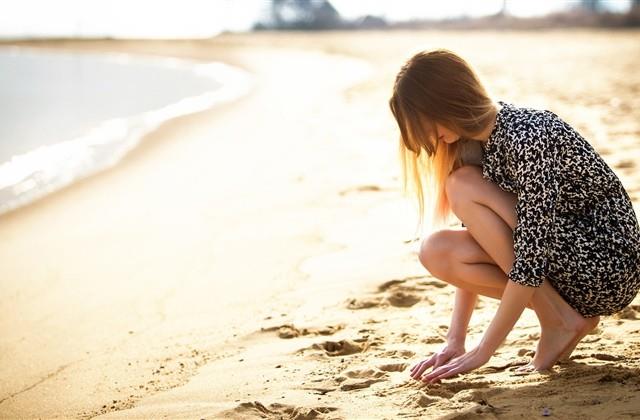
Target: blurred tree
column 633, row 15
column 503, row 9
column 300, row 14
column 370, row 21
column 591, row 5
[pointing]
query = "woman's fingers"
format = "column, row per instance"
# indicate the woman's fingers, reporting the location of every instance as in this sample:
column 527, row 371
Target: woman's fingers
column 427, row 377
column 437, row 373
column 436, row 361
column 444, row 358
column 419, row 364
column 421, row 367
column 416, row 366
column 461, row 364
column 452, row 363
column 454, row 370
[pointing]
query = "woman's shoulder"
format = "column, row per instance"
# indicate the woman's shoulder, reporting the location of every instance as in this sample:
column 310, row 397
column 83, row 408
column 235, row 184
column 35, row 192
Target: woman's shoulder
column 519, row 128
column 532, row 130
column 546, row 124
column 524, row 124
column 525, row 118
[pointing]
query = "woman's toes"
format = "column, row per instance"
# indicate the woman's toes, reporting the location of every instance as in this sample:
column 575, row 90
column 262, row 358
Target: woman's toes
column 526, row 369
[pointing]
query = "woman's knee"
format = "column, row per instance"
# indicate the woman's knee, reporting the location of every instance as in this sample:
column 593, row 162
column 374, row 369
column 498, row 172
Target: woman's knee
column 436, row 250
column 462, row 185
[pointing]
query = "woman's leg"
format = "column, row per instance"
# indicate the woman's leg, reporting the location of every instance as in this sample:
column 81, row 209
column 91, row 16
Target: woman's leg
column 477, row 259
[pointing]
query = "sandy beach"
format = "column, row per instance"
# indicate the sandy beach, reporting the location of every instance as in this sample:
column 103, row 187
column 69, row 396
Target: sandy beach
column 259, row 260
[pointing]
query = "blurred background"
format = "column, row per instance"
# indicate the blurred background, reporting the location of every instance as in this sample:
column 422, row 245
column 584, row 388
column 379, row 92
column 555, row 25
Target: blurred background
column 82, row 124
column 206, row 18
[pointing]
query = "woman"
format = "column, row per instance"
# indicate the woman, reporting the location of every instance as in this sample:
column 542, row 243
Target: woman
column 546, row 224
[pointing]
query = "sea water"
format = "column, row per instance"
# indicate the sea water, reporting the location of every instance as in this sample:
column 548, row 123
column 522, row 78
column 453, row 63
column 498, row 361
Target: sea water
column 64, row 116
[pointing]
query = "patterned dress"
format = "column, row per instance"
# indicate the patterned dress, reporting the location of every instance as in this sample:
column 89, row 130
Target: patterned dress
column 576, row 226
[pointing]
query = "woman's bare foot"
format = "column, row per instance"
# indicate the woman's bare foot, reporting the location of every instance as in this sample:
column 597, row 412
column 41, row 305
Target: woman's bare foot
column 528, row 368
column 559, row 341
column 591, row 325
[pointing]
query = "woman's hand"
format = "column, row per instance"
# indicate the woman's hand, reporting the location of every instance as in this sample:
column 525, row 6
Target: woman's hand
column 514, row 299
column 450, row 351
column 464, row 304
column 465, row 363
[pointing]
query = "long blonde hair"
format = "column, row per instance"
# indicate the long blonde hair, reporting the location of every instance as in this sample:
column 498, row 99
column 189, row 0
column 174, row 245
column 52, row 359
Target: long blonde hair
column 433, row 87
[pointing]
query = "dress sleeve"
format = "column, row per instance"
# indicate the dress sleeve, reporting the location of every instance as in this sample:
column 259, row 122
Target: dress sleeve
column 535, row 166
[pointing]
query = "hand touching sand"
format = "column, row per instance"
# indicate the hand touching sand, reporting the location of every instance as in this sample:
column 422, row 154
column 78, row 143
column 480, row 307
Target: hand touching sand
column 514, row 299
column 449, row 352
column 461, row 364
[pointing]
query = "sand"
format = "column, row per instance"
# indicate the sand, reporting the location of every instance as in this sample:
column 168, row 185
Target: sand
column 259, row 260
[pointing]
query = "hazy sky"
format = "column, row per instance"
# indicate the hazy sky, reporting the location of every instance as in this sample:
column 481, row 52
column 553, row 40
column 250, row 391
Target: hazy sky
column 204, row 18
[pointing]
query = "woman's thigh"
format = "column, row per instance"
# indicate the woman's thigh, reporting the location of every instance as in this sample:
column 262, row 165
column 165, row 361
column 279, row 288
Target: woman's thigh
column 467, row 185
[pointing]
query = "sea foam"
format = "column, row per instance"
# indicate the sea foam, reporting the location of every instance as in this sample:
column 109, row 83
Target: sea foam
column 48, row 168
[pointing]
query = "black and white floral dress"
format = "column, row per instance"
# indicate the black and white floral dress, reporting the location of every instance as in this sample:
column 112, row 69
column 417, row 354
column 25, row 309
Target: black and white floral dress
column 576, row 226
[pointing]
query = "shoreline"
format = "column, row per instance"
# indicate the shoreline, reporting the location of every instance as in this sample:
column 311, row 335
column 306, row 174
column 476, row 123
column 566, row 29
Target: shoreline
column 270, row 273
column 23, row 179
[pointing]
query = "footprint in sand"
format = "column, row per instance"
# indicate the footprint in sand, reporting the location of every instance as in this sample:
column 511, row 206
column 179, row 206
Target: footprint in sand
column 411, row 285
column 393, row 367
column 362, row 378
column 625, row 164
column 416, row 283
column 290, row 331
column 365, row 303
column 256, row 409
column 433, row 340
column 629, row 312
column 607, row 357
column 391, row 283
column 339, row 348
column 398, row 298
column 450, row 389
column 402, row 354
column 405, row 337
column 403, row 299
column 401, row 293
column 526, row 352
column 365, row 374
column 355, row 379
column 433, row 283
column 419, row 399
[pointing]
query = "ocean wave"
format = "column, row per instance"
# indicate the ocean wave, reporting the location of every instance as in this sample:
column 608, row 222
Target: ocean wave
column 29, row 176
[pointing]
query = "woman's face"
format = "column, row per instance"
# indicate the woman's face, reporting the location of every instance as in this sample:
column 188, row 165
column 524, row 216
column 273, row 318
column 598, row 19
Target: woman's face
column 446, row 135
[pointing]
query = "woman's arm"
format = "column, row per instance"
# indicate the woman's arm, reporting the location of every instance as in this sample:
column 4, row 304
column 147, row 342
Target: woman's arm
column 514, row 300
column 534, row 159
column 463, row 307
